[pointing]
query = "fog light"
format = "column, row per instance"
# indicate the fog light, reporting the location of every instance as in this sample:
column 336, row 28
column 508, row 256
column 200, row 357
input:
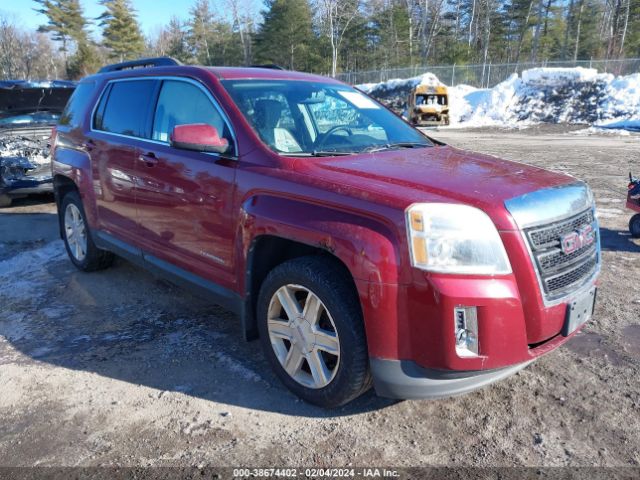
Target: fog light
column 466, row 329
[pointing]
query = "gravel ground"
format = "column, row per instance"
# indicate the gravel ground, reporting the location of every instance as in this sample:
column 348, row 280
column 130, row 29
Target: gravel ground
column 121, row 368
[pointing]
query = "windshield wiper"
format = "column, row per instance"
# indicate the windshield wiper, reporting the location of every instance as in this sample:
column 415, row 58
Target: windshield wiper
column 318, row 153
column 329, row 153
column 391, row 146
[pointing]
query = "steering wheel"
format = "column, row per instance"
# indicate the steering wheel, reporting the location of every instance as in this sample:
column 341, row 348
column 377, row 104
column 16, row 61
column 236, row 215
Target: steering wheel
column 320, row 141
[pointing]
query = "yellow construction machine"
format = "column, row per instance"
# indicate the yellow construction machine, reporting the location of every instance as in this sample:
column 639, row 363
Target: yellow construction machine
column 428, row 105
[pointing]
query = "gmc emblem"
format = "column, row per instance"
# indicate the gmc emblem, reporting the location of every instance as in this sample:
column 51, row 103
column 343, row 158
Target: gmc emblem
column 573, row 241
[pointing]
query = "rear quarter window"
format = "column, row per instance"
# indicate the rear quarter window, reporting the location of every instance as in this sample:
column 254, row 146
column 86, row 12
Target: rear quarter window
column 126, row 111
column 77, row 105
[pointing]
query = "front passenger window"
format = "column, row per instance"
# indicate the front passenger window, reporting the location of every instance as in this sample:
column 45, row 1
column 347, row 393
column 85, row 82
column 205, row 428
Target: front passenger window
column 181, row 103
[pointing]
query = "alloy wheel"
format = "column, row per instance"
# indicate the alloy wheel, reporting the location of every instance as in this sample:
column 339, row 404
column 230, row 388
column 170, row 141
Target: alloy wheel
column 75, row 232
column 303, row 336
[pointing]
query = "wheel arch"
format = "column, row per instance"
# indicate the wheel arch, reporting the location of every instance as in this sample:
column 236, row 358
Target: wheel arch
column 72, row 171
column 275, row 230
column 62, row 185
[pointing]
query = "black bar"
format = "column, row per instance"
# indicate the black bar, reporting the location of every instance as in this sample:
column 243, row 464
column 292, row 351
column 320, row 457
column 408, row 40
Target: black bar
column 143, row 62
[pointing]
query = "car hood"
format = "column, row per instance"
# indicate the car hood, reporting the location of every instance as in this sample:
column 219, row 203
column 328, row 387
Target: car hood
column 16, row 101
column 436, row 174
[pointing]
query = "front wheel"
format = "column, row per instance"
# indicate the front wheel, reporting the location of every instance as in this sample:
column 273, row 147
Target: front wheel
column 312, row 332
column 634, row 226
column 77, row 239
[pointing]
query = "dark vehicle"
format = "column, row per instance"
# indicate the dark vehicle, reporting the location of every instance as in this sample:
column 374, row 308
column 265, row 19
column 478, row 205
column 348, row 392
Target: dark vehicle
column 28, row 112
column 633, row 203
column 357, row 249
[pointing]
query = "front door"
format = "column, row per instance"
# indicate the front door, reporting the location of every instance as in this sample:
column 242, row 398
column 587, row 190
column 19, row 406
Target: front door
column 184, row 199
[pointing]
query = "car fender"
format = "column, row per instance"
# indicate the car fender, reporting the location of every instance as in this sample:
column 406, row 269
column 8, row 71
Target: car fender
column 75, row 164
column 367, row 246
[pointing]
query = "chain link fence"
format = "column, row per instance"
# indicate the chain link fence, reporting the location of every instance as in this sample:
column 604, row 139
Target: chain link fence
column 485, row 75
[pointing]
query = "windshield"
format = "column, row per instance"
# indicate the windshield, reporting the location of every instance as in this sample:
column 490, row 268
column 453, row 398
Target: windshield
column 307, row 118
column 36, row 118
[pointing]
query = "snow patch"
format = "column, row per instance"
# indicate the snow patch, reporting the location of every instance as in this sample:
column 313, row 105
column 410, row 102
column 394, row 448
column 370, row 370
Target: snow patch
column 558, row 76
column 26, row 271
column 237, row 367
column 31, row 260
column 541, row 95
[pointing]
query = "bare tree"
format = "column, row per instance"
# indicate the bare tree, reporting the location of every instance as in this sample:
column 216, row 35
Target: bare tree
column 335, row 16
column 538, row 31
column 430, row 24
column 243, row 18
column 26, row 55
column 10, row 49
column 616, row 15
column 578, row 30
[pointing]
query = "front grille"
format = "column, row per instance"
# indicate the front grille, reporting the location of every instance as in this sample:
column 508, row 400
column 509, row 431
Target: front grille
column 560, row 272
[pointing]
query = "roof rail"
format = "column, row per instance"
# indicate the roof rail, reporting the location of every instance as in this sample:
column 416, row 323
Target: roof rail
column 272, row 66
column 141, row 63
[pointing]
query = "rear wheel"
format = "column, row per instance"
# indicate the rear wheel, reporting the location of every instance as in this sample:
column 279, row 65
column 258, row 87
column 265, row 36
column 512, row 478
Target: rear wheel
column 312, row 332
column 634, row 226
column 77, row 239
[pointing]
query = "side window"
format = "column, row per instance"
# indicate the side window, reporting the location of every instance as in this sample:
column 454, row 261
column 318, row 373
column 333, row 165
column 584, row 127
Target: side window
column 181, row 103
column 99, row 115
column 73, row 112
column 127, row 107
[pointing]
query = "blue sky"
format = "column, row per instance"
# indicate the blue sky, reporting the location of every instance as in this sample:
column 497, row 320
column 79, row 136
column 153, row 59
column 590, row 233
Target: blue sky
column 151, row 13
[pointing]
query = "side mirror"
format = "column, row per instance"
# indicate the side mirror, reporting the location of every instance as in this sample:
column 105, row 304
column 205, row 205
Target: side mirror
column 199, row 137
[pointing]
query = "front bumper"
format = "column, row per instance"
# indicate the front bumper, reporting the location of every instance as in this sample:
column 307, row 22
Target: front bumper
column 407, row 380
column 411, row 332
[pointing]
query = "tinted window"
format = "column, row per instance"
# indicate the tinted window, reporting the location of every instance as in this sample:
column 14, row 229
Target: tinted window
column 127, row 107
column 99, row 115
column 181, row 103
column 72, row 114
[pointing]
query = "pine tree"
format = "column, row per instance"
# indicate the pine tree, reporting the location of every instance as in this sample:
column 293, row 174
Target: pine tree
column 65, row 21
column 121, row 30
column 286, row 36
column 85, row 61
column 67, row 24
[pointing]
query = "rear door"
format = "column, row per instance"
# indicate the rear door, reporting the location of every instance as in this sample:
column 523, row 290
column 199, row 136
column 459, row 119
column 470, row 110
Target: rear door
column 121, row 124
column 184, row 198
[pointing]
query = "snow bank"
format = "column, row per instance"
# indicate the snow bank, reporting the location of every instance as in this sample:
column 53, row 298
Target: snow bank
column 558, row 76
column 541, row 95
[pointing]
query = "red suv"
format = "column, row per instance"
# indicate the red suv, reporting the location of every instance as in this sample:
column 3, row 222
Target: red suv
column 360, row 251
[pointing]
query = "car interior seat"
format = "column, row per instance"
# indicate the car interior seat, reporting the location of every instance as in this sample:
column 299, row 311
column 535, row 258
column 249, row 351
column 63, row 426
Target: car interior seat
column 268, row 113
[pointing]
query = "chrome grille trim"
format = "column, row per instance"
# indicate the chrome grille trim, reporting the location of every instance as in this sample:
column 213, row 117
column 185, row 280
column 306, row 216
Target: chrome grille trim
column 550, row 204
column 572, row 277
column 559, row 275
column 549, row 235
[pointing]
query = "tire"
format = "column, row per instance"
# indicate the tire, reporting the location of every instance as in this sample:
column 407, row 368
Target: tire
column 82, row 252
column 5, row 201
column 634, row 226
column 337, row 379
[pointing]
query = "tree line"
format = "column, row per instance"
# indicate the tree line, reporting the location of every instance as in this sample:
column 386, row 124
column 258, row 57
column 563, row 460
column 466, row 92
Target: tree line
column 324, row 36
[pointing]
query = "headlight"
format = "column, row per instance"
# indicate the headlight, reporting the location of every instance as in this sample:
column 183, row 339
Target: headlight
column 451, row 238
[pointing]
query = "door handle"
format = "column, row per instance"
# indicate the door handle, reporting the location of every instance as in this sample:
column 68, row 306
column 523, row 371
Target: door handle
column 89, row 145
column 149, row 159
